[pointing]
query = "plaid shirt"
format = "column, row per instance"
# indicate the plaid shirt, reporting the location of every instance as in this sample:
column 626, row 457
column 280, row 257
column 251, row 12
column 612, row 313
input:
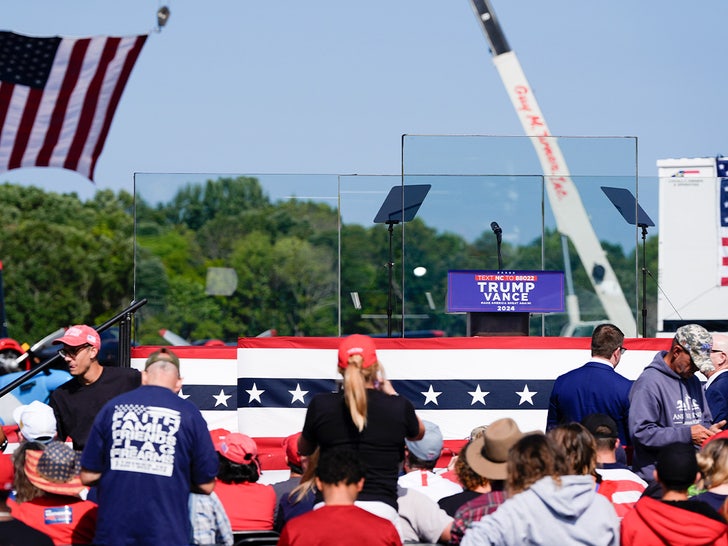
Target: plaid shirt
column 210, row 524
column 474, row 510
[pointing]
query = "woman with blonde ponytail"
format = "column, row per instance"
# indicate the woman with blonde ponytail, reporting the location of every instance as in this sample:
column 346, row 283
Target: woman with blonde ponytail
column 367, row 416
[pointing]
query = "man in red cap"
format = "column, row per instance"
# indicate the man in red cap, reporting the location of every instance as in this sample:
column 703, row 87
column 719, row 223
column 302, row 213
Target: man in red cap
column 76, row 402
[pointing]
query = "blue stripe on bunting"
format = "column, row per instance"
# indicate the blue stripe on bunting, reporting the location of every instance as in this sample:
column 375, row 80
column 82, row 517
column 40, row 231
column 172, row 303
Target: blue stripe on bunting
column 499, row 394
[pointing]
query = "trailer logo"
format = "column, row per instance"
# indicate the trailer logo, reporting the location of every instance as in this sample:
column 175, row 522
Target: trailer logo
column 686, row 172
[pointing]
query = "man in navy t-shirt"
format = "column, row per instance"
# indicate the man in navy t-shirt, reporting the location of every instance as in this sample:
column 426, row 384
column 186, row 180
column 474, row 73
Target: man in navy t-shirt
column 147, row 449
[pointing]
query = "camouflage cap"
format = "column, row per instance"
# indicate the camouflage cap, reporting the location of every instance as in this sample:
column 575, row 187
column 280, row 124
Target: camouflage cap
column 162, row 354
column 698, row 342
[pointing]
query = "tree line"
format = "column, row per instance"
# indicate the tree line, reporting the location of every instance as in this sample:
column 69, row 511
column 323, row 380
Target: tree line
column 70, row 261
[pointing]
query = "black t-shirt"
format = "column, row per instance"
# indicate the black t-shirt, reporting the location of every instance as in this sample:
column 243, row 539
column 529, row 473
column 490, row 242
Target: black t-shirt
column 76, row 405
column 390, row 419
column 453, row 502
column 17, row 533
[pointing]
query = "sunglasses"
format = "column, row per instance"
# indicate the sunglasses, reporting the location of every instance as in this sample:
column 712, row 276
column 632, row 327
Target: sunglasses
column 72, row 352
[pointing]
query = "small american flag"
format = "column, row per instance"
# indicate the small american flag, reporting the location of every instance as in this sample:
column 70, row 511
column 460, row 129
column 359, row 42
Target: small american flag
column 58, row 97
column 722, row 172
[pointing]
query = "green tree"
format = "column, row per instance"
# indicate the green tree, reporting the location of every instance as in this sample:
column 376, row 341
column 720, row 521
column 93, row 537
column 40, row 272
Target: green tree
column 65, row 261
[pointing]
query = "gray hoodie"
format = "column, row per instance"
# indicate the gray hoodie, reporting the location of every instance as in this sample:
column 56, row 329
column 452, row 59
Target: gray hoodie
column 663, row 407
column 550, row 514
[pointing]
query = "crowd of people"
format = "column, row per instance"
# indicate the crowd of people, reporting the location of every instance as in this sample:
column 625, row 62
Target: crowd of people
column 620, row 462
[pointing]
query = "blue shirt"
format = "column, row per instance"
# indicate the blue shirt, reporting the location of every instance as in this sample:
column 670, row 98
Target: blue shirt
column 150, row 447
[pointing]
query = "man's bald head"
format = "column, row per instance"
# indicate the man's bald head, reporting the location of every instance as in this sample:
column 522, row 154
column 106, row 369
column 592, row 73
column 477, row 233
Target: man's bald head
column 162, row 373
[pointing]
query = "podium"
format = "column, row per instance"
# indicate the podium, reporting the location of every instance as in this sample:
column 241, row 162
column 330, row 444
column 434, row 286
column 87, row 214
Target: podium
column 497, row 324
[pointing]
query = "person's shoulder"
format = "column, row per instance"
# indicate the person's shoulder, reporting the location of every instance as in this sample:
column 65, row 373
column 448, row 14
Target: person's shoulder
column 24, row 533
column 68, row 387
column 362, row 514
column 324, row 400
column 577, row 373
column 115, row 372
column 264, row 489
column 391, row 399
column 327, row 397
column 652, row 372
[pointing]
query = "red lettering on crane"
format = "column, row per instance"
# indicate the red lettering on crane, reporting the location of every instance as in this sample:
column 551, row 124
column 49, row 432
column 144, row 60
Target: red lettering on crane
column 535, row 121
column 521, row 92
column 558, row 186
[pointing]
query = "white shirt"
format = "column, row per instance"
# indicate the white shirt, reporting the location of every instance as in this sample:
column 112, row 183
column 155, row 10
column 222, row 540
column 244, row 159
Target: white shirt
column 712, row 377
column 429, row 483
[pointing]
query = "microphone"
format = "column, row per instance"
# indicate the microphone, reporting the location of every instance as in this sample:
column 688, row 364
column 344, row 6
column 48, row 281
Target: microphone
column 498, row 239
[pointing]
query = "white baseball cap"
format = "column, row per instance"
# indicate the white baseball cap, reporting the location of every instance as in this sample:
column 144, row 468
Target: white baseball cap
column 36, row 421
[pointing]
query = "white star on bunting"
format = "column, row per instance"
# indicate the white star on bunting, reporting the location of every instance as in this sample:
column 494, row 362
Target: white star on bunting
column 526, row 395
column 255, row 394
column 478, row 395
column 222, row 398
column 298, row 394
column 431, row 396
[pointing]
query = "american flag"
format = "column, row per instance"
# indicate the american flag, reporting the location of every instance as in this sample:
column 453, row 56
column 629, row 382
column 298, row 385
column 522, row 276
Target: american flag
column 58, row 97
column 263, row 387
column 722, row 172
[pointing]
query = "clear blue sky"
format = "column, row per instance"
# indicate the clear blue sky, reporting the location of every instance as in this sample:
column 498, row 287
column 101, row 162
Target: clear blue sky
column 329, row 86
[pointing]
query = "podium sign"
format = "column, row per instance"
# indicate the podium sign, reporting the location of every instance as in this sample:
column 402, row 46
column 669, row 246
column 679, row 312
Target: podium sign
column 505, row 291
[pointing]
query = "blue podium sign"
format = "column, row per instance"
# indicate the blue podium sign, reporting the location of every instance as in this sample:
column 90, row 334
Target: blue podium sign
column 505, row 291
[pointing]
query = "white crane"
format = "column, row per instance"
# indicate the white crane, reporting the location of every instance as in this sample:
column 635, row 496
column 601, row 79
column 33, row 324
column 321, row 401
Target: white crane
column 569, row 212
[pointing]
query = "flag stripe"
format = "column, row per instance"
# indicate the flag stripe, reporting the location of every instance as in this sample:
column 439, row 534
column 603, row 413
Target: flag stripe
column 6, row 93
column 32, row 103
column 115, row 97
column 67, row 72
column 18, row 96
column 75, row 59
column 90, row 103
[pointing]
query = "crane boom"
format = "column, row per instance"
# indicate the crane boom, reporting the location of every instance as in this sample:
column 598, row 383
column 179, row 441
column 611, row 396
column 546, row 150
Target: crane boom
column 569, row 212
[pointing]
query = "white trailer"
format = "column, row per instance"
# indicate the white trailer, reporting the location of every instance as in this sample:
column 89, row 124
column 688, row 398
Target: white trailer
column 693, row 243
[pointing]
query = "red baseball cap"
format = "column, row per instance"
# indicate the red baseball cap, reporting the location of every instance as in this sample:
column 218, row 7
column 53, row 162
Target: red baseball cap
column 218, row 434
column 78, row 335
column 290, row 444
column 357, row 344
column 238, row 448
